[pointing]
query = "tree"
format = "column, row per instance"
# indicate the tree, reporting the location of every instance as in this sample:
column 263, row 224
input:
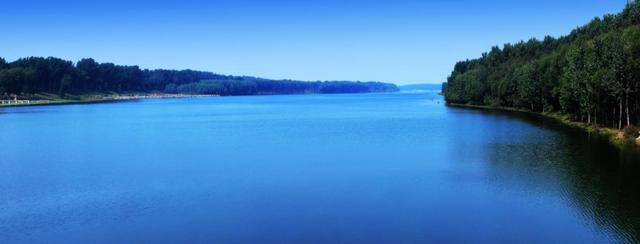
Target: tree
column 88, row 74
column 592, row 74
column 65, row 84
column 11, row 80
column 528, row 87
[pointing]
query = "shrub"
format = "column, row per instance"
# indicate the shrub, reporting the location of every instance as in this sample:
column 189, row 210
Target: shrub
column 631, row 131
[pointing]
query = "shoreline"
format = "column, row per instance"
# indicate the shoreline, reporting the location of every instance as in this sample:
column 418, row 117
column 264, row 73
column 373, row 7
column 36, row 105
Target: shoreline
column 93, row 98
column 615, row 136
column 100, row 98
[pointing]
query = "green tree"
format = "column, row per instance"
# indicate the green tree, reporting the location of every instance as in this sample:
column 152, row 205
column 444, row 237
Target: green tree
column 65, row 84
column 11, row 80
column 592, row 74
column 88, row 72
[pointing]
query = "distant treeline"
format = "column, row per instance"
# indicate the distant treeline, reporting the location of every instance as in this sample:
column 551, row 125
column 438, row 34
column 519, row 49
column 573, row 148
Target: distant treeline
column 266, row 87
column 27, row 76
column 592, row 74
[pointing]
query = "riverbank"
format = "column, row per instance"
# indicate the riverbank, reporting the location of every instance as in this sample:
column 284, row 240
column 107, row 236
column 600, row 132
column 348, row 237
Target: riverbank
column 615, row 136
column 50, row 99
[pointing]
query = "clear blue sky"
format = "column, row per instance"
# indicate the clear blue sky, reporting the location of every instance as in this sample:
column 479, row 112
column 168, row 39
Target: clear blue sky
column 396, row 41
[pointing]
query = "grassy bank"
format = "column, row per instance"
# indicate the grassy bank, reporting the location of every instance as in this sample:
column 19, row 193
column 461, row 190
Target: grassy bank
column 51, row 99
column 615, row 136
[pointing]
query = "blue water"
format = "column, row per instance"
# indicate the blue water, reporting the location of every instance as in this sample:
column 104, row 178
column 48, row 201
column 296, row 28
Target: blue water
column 372, row 168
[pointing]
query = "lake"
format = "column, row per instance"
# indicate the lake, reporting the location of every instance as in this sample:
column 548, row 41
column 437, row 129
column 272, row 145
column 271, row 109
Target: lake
column 356, row 168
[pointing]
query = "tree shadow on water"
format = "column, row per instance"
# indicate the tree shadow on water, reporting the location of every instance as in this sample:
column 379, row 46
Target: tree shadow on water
column 599, row 179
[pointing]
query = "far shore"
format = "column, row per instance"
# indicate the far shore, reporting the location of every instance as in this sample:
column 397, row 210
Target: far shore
column 615, row 136
column 48, row 99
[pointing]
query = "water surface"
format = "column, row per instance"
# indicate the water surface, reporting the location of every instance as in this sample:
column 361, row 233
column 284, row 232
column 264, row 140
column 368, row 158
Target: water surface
column 394, row 168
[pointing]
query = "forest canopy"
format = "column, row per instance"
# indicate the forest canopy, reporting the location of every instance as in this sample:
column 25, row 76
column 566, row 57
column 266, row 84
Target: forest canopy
column 27, row 76
column 591, row 74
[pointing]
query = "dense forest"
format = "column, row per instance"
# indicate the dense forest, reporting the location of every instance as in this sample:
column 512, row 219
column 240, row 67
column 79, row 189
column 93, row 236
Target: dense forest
column 28, row 76
column 591, row 74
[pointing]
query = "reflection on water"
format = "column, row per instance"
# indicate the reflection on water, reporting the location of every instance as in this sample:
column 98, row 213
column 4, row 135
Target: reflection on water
column 390, row 168
column 597, row 178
